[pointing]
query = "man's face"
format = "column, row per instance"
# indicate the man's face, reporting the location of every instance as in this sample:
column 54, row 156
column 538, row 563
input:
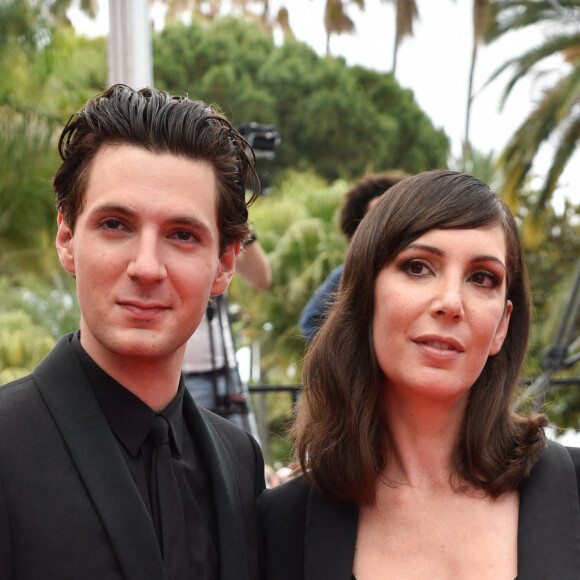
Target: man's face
column 145, row 254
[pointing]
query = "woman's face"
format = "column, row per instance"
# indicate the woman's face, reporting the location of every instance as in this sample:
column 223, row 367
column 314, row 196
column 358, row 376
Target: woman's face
column 440, row 311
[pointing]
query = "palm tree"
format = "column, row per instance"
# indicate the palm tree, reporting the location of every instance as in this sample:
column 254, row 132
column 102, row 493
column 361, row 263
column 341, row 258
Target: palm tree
column 175, row 8
column 406, row 14
column 480, row 24
column 336, row 20
column 283, row 21
column 58, row 9
column 213, row 9
column 555, row 116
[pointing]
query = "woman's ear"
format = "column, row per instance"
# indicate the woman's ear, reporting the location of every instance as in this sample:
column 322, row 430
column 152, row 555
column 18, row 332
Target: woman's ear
column 64, row 244
column 502, row 329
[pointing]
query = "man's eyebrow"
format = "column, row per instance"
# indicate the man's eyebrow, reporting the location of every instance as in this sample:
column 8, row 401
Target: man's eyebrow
column 113, row 207
column 439, row 252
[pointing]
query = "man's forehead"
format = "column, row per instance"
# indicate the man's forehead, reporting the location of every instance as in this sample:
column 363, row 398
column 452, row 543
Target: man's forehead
column 130, row 177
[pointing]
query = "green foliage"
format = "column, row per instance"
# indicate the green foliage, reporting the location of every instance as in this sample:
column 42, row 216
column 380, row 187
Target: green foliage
column 22, row 344
column 48, row 85
column 554, row 118
column 27, row 161
column 54, row 71
column 279, row 414
column 509, row 15
column 297, row 227
column 45, row 74
column 37, row 306
column 552, row 247
column 338, row 121
column 21, row 21
column 68, row 72
column 217, row 64
column 49, row 301
column 480, row 165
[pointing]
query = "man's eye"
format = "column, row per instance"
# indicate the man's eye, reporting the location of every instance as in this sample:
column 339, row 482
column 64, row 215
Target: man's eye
column 184, row 236
column 111, row 224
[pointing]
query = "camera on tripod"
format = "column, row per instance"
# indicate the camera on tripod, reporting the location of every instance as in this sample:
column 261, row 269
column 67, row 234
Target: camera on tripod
column 264, row 139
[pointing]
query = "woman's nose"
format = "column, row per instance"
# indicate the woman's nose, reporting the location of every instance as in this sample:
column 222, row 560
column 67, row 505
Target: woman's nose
column 448, row 300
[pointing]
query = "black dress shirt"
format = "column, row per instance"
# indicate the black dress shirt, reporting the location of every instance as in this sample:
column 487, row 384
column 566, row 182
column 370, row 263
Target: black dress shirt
column 130, row 420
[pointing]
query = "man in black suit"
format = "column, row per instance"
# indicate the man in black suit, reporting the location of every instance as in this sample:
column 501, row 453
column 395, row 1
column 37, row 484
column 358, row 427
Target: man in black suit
column 151, row 216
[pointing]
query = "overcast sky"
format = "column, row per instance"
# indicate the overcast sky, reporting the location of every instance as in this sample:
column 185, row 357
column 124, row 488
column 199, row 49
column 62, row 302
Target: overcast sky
column 434, row 64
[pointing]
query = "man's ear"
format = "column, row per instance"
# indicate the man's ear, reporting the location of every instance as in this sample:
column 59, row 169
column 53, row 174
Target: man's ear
column 64, row 245
column 226, row 269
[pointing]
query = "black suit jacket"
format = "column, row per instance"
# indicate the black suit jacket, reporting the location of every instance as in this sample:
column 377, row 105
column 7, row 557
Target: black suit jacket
column 68, row 505
column 308, row 537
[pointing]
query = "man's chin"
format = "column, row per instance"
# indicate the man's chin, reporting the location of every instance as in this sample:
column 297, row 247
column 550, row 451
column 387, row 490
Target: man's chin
column 137, row 343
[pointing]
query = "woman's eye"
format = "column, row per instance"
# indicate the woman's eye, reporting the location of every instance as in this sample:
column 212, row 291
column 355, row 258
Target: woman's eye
column 485, row 279
column 414, row 267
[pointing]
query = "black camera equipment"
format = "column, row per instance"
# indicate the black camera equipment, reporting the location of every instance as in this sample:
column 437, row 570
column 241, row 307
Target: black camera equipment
column 233, row 400
column 264, row 139
column 560, row 355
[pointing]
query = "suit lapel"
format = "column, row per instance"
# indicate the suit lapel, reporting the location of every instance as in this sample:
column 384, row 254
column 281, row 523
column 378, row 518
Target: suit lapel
column 549, row 519
column 330, row 538
column 227, row 502
column 93, row 448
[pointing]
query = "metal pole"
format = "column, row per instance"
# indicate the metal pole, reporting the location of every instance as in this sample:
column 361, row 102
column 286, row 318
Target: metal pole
column 555, row 357
column 130, row 52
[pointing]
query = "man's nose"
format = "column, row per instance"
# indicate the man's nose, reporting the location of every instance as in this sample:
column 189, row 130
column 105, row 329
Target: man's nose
column 146, row 263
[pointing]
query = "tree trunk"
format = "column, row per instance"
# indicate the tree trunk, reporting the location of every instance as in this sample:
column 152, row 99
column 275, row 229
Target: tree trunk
column 466, row 144
column 395, row 54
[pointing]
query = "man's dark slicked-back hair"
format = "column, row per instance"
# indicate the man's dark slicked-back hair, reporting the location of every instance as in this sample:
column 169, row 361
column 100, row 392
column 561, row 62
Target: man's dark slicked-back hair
column 160, row 123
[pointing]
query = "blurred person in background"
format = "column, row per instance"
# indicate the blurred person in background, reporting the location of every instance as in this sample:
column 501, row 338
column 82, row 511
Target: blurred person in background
column 209, row 365
column 358, row 200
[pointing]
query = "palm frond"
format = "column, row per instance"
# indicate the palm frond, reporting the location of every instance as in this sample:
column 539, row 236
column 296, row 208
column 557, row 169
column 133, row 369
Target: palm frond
column 407, row 13
column 509, row 15
column 336, row 20
column 524, row 63
column 557, row 109
column 564, row 152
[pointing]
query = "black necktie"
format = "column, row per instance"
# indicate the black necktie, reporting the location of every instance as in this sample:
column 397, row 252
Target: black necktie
column 167, row 502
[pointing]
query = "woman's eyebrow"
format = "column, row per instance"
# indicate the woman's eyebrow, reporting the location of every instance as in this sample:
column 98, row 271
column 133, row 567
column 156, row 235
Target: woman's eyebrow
column 484, row 258
column 425, row 247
